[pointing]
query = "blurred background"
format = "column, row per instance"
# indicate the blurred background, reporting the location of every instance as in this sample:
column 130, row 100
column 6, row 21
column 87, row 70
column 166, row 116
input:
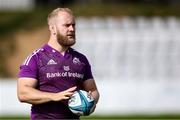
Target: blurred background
column 133, row 47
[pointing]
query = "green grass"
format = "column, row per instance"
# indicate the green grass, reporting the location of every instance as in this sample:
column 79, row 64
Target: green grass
column 110, row 117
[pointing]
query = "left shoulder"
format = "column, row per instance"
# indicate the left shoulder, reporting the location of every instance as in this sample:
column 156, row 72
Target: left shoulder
column 78, row 55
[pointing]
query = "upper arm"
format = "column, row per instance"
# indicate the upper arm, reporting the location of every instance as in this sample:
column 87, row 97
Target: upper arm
column 27, row 75
column 89, row 85
column 88, row 73
column 24, row 82
column 23, row 85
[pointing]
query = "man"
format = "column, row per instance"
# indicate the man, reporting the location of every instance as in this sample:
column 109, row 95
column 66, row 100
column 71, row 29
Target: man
column 51, row 74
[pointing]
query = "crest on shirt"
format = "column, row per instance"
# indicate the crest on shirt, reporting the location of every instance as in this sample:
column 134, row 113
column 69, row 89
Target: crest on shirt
column 76, row 60
column 66, row 68
column 51, row 62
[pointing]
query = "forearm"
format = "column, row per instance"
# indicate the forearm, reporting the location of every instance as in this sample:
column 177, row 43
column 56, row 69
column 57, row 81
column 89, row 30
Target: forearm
column 95, row 95
column 90, row 86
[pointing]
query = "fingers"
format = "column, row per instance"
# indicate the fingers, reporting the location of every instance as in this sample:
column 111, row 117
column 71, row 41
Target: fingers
column 71, row 89
column 65, row 97
column 69, row 92
column 66, row 94
column 90, row 92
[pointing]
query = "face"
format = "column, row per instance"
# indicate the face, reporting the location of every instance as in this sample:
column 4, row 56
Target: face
column 65, row 28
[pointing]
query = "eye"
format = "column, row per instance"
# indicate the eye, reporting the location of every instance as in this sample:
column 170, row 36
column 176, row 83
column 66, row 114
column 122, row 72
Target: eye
column 68, row 25
column 73, row 25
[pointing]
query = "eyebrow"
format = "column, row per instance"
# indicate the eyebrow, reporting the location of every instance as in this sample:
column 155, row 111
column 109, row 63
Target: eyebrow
column 70, row 24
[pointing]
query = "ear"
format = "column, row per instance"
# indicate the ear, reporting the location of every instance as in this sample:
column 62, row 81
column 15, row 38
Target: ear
column 53, row 29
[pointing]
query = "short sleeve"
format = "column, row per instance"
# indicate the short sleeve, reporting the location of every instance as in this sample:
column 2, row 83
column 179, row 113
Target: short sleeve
column 29, row 68
column 88, row 72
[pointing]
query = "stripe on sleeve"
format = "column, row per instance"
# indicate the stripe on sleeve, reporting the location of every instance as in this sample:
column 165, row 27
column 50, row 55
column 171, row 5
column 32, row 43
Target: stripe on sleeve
column 26, row 62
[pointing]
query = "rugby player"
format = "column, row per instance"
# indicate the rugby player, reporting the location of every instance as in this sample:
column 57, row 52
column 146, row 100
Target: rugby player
column 50, row 75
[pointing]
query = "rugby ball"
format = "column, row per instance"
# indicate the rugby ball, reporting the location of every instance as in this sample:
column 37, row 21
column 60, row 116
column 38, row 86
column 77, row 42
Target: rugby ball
column 81, row 103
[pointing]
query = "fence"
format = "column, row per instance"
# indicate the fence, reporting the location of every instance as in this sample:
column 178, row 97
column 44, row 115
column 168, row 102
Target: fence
column 132, row 49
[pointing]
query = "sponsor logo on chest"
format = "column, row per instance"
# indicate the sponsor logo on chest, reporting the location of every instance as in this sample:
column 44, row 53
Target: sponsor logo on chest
column 66, row 70
column 65, row 73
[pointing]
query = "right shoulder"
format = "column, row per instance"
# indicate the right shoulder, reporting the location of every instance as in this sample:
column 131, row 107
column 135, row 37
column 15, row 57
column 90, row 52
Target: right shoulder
column 34, row 56
column 29, row 68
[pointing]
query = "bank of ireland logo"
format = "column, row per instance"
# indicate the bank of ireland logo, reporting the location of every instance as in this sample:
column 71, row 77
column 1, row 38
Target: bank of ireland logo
column 66, row 68
column 76, row 60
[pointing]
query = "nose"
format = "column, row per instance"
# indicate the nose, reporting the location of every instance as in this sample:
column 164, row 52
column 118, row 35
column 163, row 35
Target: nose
column 72, row 28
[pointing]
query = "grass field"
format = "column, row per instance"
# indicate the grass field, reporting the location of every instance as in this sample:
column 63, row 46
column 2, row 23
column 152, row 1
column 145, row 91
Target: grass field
column 113, row 117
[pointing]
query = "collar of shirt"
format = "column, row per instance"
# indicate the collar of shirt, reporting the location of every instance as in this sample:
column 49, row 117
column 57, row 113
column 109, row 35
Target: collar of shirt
column 57, row 53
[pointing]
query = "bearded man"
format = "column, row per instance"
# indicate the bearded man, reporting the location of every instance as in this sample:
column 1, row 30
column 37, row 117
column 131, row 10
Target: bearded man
column 50, row 75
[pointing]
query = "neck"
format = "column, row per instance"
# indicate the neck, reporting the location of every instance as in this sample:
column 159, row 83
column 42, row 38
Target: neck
column 54, row 44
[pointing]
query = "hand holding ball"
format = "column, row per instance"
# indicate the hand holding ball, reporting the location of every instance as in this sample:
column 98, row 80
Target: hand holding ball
column 81, row 103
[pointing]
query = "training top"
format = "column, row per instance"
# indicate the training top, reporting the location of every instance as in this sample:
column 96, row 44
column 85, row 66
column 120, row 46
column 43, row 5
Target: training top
column 55, row 73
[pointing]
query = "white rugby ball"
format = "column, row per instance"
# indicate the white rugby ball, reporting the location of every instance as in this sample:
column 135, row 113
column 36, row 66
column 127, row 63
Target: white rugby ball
column 81, row 103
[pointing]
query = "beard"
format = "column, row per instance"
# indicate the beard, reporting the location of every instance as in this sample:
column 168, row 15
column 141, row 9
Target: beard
column 66, row 41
